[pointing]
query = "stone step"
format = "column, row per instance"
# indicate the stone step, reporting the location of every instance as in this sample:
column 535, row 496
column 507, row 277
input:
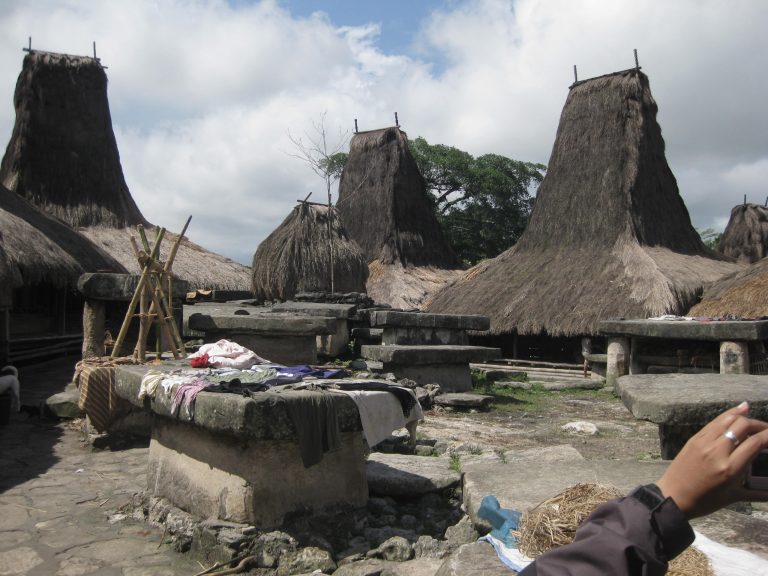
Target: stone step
column 459, row 400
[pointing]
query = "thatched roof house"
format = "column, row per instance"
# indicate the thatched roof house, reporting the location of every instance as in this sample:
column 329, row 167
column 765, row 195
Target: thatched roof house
column 386, row 209
column 298, row 257
column 63, row 135
column 609, row 235
column 42, row 249
column 745, row 239
column 740, row 295
column 63, row 158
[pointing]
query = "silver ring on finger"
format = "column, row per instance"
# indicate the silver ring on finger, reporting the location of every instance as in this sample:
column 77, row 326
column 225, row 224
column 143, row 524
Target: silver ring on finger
column 731, row 435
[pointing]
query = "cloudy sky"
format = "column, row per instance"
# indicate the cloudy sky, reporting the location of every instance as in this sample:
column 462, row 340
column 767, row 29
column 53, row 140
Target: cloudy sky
column 204, row 92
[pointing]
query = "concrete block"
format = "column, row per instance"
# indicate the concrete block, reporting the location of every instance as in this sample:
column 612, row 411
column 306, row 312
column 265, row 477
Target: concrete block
column 250, row 481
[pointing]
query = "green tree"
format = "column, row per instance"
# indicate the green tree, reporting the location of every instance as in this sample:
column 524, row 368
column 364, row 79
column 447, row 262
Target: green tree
column 710, row 237
column 482, row 203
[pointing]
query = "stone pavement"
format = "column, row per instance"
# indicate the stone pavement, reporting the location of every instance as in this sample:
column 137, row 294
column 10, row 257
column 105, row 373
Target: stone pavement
column 60, row 499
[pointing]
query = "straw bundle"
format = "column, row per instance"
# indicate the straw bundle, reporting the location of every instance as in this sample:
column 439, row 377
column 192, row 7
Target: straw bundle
column 554, row 523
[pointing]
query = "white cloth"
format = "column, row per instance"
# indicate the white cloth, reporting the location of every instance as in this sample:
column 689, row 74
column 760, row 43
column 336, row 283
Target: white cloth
column 227, row 354
column 381, row 413
column 727, row 561
column 150, row 382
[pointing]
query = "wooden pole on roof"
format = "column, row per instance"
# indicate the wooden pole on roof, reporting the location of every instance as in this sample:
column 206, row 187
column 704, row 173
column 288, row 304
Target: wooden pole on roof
column 575, row 74
column 637, row 63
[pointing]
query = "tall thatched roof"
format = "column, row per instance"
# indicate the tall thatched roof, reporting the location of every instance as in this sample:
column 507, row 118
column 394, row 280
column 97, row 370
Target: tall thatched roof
column 63, row 158
column 746, row 236
column 741, row 295
column 62, row 155
column 385, row 206
column 296, row 257
column 609, row 235
column 40, row 248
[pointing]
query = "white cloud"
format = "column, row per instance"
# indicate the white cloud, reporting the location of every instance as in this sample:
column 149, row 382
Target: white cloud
column 203, row 92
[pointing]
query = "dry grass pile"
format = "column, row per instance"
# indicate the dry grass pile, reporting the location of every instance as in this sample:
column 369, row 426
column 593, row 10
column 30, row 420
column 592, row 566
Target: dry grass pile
column 554, row 522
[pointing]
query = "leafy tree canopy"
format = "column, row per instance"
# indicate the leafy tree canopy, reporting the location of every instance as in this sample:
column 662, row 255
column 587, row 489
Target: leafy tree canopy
column 482, row 203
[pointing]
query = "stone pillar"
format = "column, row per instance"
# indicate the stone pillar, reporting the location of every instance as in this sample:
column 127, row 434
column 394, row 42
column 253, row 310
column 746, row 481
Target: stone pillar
column 94, row 325
column 618, row 360
column 734, row 358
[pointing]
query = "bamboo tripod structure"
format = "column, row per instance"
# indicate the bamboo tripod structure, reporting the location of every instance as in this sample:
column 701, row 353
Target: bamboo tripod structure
column 154, row 302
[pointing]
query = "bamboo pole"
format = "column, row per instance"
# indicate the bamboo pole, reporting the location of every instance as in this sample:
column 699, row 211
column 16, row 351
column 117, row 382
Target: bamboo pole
column 140, row 351
column 136, row 295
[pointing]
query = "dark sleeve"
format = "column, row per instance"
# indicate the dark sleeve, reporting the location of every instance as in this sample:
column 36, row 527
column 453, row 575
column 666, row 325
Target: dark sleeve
column 623, row 537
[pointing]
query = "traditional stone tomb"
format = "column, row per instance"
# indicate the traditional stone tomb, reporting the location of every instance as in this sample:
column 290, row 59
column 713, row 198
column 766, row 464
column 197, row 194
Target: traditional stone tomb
column 409, row 328
column 626, row 337
column 429, row 348
column 682, row 404
column 447, row 366
column 327, row 344
column 239, row 458
column 281, row 337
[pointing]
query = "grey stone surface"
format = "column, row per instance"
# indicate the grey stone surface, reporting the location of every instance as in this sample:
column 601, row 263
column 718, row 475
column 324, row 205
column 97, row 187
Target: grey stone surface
column 691, row 399
column 688, row 330
column 400, row 475
column 257, row 322
column 396, row 549
column 423, row 320
column 430, row 354
column 520, row 487
column 459, row 400
column 118, row 287
column 316, row 309
column 475, row 558
column 249, row 480
column 64, row 404
column 374, row 567
column 264, row 416
column 58, row 496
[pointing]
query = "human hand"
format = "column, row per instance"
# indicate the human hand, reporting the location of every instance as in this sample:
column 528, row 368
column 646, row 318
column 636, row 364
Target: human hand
column 709, row 471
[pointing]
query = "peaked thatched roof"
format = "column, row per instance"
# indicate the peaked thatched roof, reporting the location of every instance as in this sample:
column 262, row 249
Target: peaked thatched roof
column 63, row 158
column 296, row 257
column 40, row 248
column 385, row 206
column 193, row 264
column 741, row 295
column 609, row 235
column 62, row 155
column 746, row 237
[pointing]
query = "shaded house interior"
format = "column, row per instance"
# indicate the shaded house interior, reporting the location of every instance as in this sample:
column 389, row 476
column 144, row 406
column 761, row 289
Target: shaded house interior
column 609, row 235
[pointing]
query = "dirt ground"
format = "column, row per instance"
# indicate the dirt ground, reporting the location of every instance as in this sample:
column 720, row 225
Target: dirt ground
column 526, row 419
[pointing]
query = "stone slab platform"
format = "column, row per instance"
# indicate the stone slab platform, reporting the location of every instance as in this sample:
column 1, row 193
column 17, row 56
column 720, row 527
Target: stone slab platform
column 682, row 404
column 424, row 354
column 264, row 416
column 447, row 366
column 685, row 399
column 383, row 318
column 742, row 330
column 118, row 287
column 239, row 459
column 344, row 311
column 278, row 336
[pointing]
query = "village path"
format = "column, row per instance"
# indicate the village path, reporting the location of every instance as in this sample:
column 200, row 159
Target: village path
column 61, row 499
